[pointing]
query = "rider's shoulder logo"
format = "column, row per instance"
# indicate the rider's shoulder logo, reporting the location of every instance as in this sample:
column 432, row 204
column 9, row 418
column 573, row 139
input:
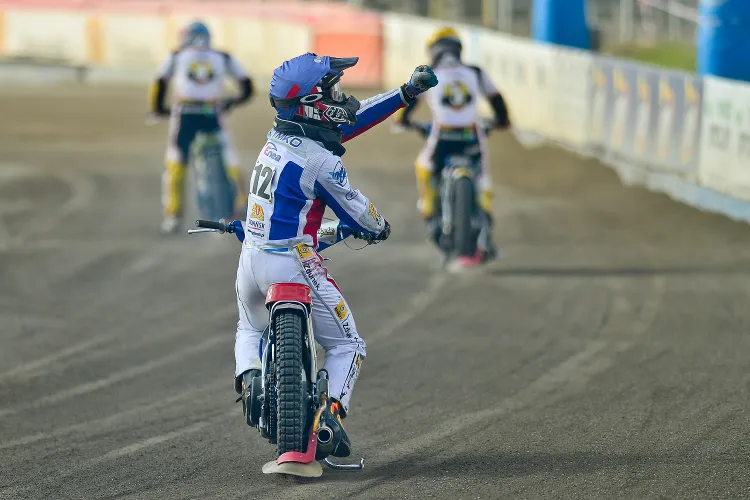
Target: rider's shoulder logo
column 271, row 151
column 338, row 175
column 201, row 72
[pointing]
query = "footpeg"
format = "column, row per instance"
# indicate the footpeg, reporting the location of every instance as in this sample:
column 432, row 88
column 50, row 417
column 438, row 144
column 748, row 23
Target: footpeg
column 348, row 467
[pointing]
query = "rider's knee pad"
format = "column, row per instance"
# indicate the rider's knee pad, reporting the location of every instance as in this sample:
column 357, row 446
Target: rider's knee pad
column 174, row 180
column 427, row 192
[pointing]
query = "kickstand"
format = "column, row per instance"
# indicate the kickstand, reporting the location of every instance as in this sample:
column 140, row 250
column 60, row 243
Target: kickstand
column 349, row 467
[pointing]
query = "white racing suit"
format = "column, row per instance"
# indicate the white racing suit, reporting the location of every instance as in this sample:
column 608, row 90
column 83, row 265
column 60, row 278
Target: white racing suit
column 294, row 180
column 198, row 75
column 456, row 128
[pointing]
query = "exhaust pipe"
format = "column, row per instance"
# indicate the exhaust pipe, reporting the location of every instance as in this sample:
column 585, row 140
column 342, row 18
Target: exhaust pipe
column 325, row 435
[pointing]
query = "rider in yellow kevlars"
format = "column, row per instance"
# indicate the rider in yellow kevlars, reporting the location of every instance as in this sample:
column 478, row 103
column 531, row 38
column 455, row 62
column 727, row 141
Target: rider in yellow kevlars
column 198, row 71
column 456, row 128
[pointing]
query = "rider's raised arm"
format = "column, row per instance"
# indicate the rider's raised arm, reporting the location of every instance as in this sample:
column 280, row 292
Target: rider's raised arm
column 240, row 74
column 158, row 90
column 352, row 207
column 502, row 116
column 403, row 116
column 376, row 109
column 373, row 111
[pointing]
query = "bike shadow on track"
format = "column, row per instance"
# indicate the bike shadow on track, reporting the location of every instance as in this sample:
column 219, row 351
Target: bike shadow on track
column 493, row 465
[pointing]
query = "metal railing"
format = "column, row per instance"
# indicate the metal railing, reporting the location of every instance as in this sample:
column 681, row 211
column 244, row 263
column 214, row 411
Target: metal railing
column 618, row 21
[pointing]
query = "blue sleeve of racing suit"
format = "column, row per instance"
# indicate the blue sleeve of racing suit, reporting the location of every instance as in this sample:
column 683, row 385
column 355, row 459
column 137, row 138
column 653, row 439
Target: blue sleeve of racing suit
column 352, row 207
column 373, row 111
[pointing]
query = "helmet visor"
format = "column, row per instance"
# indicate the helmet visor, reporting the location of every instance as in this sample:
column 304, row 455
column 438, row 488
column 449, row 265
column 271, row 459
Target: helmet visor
column 337, row 95
column 331, row 86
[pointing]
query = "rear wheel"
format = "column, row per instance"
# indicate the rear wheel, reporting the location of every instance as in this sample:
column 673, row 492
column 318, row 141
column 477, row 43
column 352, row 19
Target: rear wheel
column 292, row 406
column 216, row 196
column 464, row 242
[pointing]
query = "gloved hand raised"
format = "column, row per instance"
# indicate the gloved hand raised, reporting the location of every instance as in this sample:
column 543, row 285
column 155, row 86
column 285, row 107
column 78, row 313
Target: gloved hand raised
column 422, row 80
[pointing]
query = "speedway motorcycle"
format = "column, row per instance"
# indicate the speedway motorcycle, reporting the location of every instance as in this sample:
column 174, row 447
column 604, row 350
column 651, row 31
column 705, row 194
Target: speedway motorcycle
column 458, row 227
column 286, row 402
column 214, row 190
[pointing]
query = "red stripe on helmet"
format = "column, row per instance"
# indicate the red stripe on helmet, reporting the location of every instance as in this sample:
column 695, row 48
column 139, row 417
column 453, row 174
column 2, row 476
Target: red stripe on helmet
column 293, row 91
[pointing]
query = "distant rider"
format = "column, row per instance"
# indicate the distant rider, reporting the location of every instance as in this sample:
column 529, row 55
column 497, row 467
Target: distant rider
column 299, row 172
column 456, row 128
column 199, row 73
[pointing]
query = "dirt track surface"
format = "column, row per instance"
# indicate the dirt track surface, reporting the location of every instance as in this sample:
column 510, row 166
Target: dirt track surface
column 605, row 357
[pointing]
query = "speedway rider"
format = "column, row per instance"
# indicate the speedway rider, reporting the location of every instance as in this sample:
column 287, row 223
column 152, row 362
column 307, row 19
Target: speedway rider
column 299, row 172
column 456, row 128
column 199, row 73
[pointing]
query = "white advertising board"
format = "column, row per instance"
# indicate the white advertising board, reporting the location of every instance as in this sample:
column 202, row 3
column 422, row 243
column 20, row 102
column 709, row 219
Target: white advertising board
column 725, row 138
column 60, row 36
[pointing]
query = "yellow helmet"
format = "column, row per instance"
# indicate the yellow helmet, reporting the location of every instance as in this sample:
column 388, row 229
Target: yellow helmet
column 444, row 41
column 441, row 34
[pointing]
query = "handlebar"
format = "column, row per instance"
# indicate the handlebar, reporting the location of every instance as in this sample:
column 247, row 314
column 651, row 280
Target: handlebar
column 220, row 226
column 225, row 106
column 235, row 227
column 424, row 128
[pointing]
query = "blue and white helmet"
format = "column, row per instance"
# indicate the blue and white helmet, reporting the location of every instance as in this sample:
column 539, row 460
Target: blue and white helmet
column 195, row 34
column 307, row 88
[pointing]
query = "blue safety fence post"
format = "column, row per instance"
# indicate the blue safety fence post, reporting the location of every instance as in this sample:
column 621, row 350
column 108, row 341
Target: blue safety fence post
column 561, row 22
column 724, row 39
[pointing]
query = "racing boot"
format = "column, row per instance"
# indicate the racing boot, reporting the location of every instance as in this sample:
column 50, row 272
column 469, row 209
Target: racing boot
column 434, row 230
column 248, row 386
column 173, row 185
column 426, row 204
column 340, row 445
column 485, row 244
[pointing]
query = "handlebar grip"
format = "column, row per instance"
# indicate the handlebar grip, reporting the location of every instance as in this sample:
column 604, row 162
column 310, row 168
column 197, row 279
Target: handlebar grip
column 209, row 224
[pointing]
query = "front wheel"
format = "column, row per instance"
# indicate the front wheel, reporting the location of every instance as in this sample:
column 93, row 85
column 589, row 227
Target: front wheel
column 464, row 242
column 290, row 377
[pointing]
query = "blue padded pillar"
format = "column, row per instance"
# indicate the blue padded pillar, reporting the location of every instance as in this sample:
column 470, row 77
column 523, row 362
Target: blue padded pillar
column 562, row 22
column 724, row 39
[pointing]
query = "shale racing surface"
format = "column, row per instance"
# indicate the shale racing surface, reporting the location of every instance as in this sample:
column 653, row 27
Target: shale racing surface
column 605, row 356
